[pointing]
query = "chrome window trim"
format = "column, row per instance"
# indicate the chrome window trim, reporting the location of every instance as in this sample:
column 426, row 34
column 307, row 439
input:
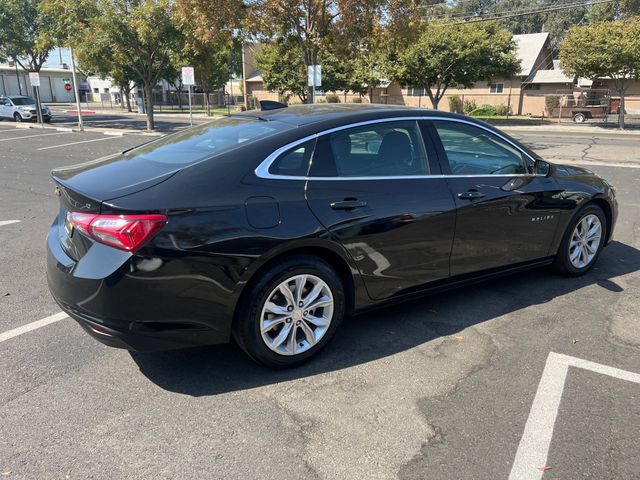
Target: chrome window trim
column 262, row 171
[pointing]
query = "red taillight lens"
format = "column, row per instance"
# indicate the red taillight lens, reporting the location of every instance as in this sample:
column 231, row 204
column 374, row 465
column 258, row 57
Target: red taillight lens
column 126, row 232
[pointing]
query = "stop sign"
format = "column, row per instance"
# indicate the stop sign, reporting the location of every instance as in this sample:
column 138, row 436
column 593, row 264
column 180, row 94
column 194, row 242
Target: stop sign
column 67, row 87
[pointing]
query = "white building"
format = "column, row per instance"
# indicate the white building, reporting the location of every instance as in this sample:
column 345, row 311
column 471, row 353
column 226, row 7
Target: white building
column 52, row 83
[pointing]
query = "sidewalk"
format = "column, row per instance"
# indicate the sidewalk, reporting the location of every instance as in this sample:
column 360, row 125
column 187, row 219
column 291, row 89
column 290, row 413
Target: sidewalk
column 564, row 128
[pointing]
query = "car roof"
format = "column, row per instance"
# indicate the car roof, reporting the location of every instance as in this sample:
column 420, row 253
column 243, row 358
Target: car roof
column 301, row 115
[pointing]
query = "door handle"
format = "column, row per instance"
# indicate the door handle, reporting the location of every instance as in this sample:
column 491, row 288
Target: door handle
column 350, row 204
column 471, row 195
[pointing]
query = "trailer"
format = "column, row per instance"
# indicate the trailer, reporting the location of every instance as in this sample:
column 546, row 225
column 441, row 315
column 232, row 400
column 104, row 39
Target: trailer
column 582, row 104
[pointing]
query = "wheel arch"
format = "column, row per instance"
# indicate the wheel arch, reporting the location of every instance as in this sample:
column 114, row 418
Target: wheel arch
column 329, row 253
column 608, row 213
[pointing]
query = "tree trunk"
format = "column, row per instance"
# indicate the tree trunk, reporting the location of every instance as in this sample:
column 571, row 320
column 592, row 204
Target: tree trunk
column 127, row 92
column 621, row 114
column 434, row 102
column 370, row 94
column 148, row 97
column 206, row 99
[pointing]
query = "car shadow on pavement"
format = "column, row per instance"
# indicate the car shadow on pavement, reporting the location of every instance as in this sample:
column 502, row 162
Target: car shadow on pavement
column 387, row 331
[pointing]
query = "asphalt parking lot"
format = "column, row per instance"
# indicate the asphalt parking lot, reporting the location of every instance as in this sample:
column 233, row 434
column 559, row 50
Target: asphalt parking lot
column 165, row 122
column 526, row 377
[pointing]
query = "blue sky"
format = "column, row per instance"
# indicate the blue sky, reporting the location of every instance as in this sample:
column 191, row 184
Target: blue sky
column 54, row 58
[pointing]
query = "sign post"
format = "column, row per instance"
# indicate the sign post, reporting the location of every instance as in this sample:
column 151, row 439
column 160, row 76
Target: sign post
column 34, row 79
column 314, row 79
column 75, row 90
column 188, row 80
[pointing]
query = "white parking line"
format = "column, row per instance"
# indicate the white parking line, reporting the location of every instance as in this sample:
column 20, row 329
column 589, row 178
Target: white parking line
column 32, row 326
column 76, row 143
column 10, row 130
column 531, row 457
column 32, row 136
column 8, row 222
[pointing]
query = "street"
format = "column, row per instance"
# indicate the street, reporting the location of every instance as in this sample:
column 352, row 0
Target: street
column 451, row 386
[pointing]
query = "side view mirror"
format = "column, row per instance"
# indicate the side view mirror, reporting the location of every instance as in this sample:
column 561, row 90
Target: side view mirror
column 540, row 167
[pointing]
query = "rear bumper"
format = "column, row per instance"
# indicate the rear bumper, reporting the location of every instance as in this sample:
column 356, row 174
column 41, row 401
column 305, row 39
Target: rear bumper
column 123, row 307
column 131, row 340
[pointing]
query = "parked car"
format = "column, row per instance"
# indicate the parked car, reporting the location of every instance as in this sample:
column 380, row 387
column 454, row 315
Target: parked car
column 19, row 108
column 270, row 227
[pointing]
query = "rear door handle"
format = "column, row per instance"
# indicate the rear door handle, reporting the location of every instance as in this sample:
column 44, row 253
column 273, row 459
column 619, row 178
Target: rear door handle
column 348, row 204
column 471, row 195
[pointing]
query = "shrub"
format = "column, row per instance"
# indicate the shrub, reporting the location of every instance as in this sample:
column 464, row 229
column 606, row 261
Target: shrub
column 469, row 105
column 321, row 100
column 356, row 100
column 455, row 104
column 551, row 102
column 332, row 99
column 484, row 111
column 503, row 110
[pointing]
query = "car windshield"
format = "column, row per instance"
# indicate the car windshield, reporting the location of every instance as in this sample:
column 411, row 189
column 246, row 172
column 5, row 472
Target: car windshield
column 200, row 142
column 23, row 101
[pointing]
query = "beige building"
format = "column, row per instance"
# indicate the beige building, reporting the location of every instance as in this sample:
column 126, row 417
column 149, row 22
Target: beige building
column 524, row 94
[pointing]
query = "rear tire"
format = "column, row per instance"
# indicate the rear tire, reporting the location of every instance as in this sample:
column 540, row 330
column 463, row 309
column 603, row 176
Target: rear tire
column 582, row 242
column 579, row 118
column 279, row 329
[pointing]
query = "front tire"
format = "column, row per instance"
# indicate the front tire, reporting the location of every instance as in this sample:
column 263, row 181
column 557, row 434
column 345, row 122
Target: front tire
column 582, row 242
column 17, row 117
column 290, row 312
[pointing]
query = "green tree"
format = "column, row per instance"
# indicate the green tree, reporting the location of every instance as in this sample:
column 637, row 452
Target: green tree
column 605, row 49
column 125, row 39
column 455, row 55
column 366, row 72
column 25, row 33
column 283, row 70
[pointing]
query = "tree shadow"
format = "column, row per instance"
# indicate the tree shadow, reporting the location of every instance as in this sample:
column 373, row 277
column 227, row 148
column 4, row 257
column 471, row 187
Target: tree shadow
column 387, row 331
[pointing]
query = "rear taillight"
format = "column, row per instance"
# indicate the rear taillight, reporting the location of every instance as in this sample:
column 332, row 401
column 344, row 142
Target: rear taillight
column 126, row 232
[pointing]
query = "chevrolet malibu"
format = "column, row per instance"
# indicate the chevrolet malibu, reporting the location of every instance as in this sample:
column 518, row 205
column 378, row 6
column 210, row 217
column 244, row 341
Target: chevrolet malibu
column 270, row 227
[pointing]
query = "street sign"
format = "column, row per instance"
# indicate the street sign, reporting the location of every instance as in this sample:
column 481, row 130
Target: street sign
column 34, row 79
column 314, row 75
column 187, row 76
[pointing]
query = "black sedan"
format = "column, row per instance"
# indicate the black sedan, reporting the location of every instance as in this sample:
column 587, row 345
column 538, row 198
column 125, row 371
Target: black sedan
column 270, row 227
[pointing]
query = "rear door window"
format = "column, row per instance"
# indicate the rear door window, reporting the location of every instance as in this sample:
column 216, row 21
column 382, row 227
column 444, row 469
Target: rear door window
column 388, row 149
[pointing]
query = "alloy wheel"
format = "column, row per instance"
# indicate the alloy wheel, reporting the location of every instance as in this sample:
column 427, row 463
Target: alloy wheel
column 585, row 241
column 296, row 314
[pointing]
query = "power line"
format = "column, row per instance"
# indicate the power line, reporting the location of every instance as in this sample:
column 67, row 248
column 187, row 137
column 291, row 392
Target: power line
column 489, row 17
column 565, row 4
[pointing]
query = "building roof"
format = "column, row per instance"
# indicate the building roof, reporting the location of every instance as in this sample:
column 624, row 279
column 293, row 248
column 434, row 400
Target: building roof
column 529, row 47
column 254, row 77
column 549, row 76
column 43, row 70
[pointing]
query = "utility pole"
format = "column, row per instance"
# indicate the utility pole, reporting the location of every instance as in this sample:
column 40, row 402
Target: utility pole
column 15, row 64
column 76, row 89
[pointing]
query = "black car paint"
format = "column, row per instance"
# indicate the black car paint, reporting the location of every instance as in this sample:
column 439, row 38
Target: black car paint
column 226, row 224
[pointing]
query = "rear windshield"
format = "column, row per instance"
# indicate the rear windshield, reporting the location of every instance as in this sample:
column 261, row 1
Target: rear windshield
column 23, row 101
column 206, row 140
